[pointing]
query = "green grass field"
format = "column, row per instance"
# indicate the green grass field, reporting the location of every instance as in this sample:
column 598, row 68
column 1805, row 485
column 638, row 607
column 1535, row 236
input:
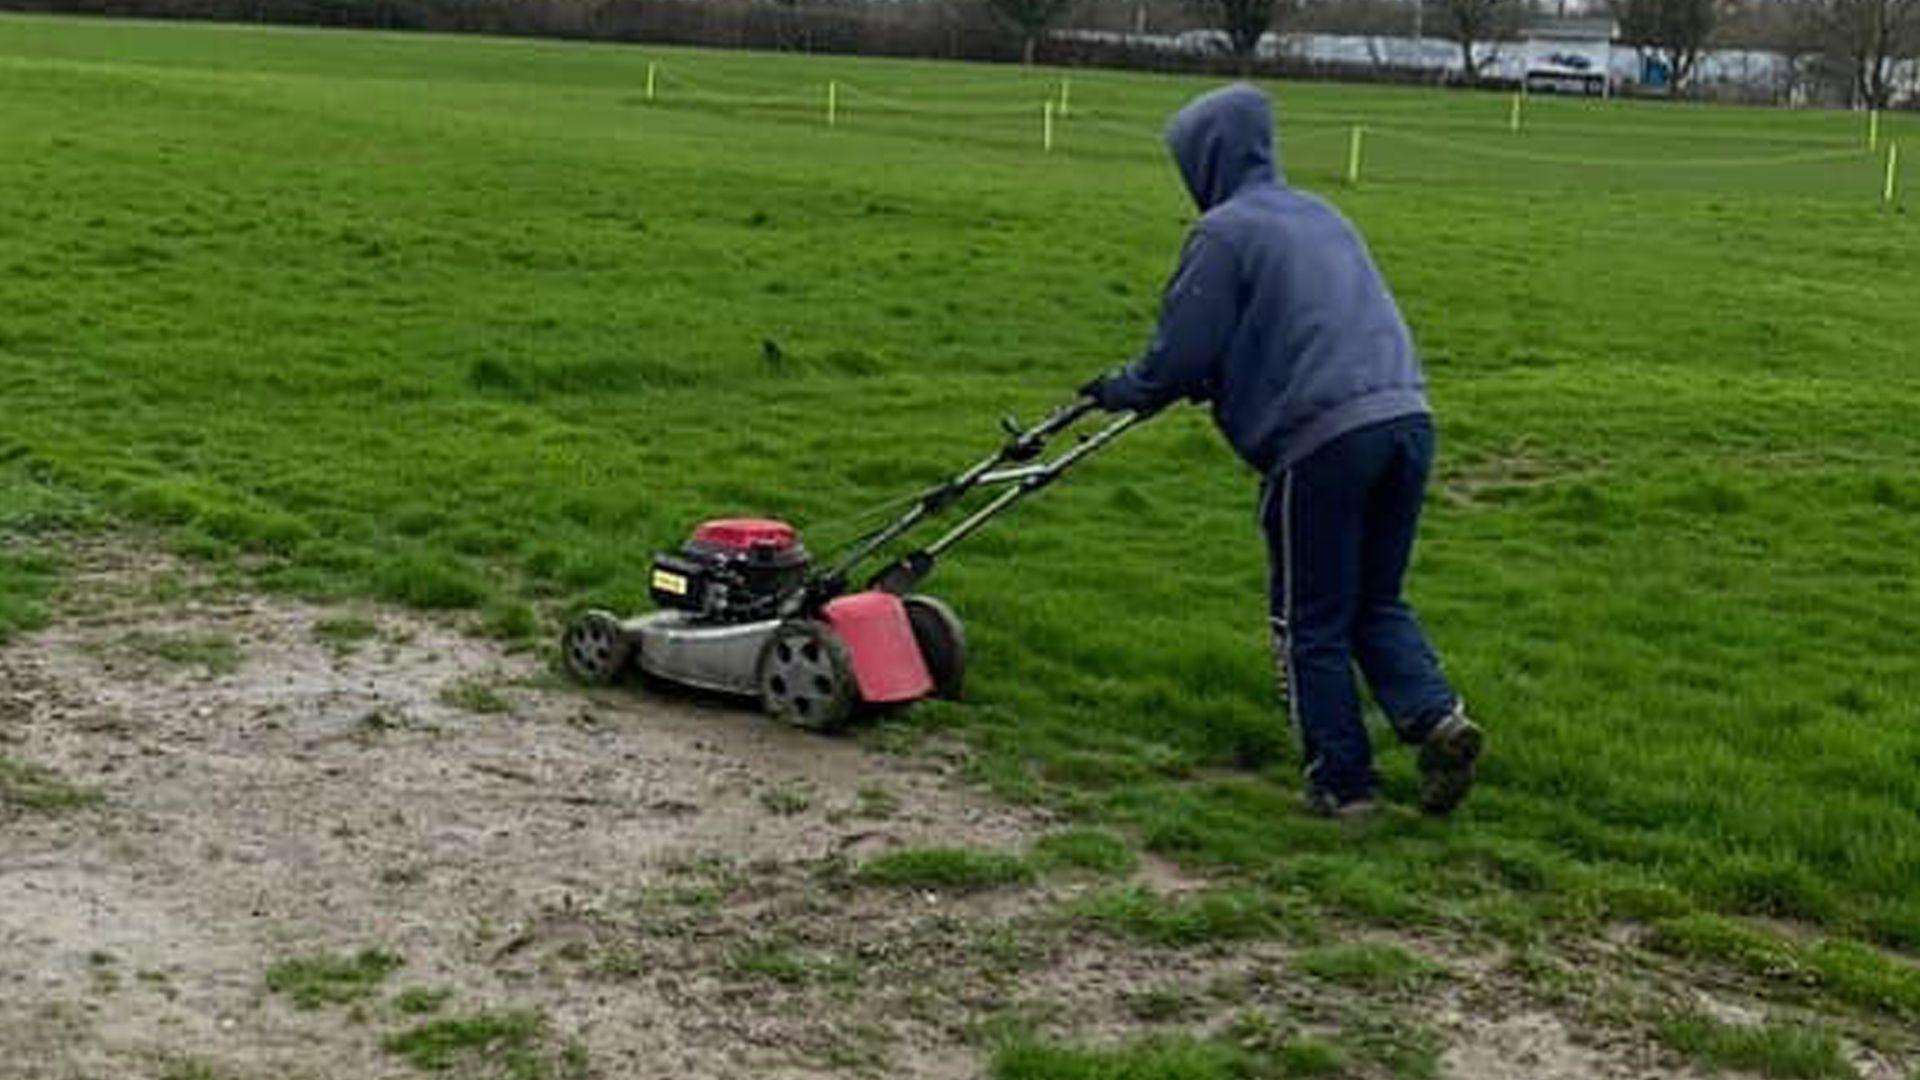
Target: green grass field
column 470, row 323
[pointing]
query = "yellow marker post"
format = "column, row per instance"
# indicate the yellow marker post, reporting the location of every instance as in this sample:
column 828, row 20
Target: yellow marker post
column 1513, row 114
column 1046, row 126
column 651, row 67
column 1066, row 89
column 1873, row 129
column 1893, row 170
column 1353, row 156
column 833, row 103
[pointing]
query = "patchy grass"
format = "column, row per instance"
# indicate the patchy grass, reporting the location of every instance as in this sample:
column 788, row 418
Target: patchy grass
column 875, row 801
column 1163, row 1004
column 421, row 1000
column 793, row 967
column 788, row 799
column 191, row 1069
column 963, row 869
column 1217, row 915
column 345, row 633
column 315, row 981
column 1309, row 1057
column 1242, row 1055
column 1787, row 1051
column 1172, row 1059
column 1094, row 851
column 34, row 510
column 510, row 1045
column 1399, row 1046
column 512, row 621
column 474, row 696
column 213, row 654
column 1849, row 971
column 862, row 1049
column 25, row 580
column 1372, row 966
column 25, row 786
column 956, row 869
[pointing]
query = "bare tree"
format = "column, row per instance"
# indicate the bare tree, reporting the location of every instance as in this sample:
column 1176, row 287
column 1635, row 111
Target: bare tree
column 1864, row 40
column 1675, row 30
column 1472, row 23
column 1031, row 18
column 1245, row 22
column 1779, row 27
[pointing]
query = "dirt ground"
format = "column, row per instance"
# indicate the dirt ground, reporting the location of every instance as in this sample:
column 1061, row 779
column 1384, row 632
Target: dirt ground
column 665, row 884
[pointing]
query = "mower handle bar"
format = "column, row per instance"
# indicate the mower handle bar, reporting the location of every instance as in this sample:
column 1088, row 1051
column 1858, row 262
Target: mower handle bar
column 1022, row 446
column 1029, row 479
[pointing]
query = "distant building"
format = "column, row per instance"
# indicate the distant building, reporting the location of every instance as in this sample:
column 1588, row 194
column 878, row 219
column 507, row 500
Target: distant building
column 1569, row 56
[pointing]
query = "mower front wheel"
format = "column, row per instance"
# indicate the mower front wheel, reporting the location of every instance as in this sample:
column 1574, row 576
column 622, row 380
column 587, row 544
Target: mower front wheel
column 806, row 677
column 596, row 649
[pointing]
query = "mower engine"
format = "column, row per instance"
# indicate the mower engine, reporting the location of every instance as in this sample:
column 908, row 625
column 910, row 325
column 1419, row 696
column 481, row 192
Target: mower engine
column 732, row 571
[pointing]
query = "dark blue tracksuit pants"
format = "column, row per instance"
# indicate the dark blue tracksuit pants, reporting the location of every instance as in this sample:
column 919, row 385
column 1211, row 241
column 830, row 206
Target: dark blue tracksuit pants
column 1340, row 526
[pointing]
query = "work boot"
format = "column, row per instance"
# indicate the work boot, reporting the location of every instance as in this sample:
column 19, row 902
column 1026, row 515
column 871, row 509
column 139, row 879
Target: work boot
column 1323, row 803
column 1447, row 759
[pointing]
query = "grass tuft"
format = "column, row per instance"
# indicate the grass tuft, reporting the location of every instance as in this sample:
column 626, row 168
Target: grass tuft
column 1217, row 915
column 343, row 634
column 1093, row 850
column 791, row 967
column 1162, row 1004
column 1786, row 1051
column 430, row 583
column 190, row 1069
column 315, row 981
column 510, row 1045
column 1369, row 966
column 956, row 869
column 513, row 621
column 875, row 801
column 29, row 787
column 25, row 580
column 214, row 654
column 474, row 696
column 1850, row 971
column 420, row 1000
column 787, row 799
column 1171, row 1059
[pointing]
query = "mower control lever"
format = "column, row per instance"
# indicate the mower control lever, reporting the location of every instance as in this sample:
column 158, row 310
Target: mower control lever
column 1025, row 445
column 1022, row 445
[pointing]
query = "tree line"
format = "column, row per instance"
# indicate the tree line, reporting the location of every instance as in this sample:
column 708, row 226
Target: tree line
column 1852, row 48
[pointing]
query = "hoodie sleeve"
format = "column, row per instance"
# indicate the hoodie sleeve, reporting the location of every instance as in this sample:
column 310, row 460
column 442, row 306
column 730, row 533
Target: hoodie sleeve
column 1198, row 314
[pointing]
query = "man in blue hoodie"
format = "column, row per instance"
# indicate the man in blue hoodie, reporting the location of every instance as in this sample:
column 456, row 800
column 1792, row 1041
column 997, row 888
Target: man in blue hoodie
column 1278, row 317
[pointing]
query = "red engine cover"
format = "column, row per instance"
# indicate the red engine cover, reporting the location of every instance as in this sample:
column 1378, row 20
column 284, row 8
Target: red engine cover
column 887, row 665
column 745, row 534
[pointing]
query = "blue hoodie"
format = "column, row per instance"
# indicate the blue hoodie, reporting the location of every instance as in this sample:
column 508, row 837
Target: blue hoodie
column 1277, row 314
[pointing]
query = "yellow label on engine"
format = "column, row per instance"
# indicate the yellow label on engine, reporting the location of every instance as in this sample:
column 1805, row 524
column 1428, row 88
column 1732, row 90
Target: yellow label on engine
column 669, row 582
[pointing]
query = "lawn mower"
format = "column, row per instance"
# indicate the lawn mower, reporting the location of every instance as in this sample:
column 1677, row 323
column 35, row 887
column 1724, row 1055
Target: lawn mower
column 743, row 610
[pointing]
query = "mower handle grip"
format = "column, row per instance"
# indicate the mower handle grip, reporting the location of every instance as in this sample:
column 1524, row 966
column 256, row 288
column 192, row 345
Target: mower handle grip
column 1026, row 445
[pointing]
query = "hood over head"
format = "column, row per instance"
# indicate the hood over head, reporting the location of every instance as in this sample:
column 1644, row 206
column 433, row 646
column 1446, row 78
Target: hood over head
column 1222, row 141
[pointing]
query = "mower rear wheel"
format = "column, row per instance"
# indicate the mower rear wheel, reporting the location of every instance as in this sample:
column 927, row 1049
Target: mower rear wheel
column 943, row 644
column 596, row 649
column 806, row 677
